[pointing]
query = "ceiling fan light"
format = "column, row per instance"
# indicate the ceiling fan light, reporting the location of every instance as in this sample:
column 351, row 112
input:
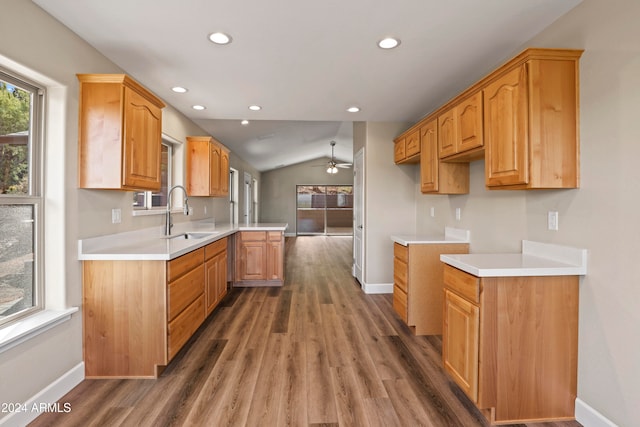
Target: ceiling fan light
column 332, row 170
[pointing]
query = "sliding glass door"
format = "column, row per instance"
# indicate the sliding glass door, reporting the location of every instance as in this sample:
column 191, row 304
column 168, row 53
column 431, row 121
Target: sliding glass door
column 324, row 209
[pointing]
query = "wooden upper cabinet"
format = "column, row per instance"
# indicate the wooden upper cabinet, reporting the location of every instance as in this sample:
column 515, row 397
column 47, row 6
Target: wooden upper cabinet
column 531, row 123
column 447, row 133
column 460, row 130
column 407, row 148
column 120, row 131
column 207, row 167
column 436, row 176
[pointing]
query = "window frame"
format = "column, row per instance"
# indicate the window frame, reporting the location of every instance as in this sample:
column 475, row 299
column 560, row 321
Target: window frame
column 35, row 196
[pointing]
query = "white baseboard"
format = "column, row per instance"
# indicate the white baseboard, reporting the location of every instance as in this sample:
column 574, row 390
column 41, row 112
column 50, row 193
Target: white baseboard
column 377, row 288
column 589, row 417
column 45, row 400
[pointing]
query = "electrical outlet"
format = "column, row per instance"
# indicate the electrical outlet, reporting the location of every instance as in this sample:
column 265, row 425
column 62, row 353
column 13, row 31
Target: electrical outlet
column 552, row 220
column 116, row 216
column 433, row 211
column 205, row 210
column 458, row 214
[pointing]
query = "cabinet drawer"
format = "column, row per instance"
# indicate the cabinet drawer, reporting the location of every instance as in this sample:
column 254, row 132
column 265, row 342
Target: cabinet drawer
column 400, row 274
column 464, row 284
column 274, row 236
column 215, row 248
column 185, row 290
column 253, row 236
column 401, row 252
column 183, row 326
column 400, row 303
column 179, row 266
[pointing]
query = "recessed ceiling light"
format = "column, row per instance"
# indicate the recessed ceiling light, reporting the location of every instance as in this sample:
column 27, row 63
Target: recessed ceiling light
column 179, row 89
column 388, row 43
column 199, row 107
column 220, row 38
column 255, row 107
column 353, row 109
column 244, row 122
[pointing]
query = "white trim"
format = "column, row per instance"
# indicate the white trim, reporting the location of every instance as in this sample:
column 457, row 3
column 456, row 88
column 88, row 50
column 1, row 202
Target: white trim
column 377, row 288
column 589, row 417
column 47, row 396
column 24, row 329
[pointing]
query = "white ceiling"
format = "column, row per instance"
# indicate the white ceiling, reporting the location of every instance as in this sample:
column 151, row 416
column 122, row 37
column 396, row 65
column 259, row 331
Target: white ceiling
column 304, row 62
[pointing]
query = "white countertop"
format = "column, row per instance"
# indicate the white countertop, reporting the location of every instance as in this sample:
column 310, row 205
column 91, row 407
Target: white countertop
column 536, row 259
column 450, row 235
column 151, row 244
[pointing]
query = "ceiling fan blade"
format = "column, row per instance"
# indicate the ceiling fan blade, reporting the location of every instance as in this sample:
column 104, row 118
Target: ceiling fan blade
column 344, row 165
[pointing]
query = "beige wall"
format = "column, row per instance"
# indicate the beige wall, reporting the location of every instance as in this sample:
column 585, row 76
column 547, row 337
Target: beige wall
column 601, row 216
column 389, row 198
column 38, row 46
column 278, row 189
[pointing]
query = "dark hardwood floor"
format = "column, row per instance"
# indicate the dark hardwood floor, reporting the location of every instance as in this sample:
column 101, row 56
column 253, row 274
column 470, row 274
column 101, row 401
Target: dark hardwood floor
column 316, row 352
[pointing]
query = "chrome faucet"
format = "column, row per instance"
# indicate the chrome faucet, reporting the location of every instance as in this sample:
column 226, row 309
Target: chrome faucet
column 167, row 218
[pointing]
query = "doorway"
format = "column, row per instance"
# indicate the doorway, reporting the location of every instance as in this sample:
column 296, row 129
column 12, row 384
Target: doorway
column 324, row 210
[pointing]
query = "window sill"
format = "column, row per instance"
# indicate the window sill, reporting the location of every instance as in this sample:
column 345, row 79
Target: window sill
column 29, row 327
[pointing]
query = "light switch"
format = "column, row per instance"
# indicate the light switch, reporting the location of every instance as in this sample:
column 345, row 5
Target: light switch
column 116, row 216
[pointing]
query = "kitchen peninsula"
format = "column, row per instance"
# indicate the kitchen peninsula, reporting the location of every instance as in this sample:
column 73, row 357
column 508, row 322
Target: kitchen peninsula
column 145, row 294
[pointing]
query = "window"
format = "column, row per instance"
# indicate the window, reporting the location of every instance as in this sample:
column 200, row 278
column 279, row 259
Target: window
column 158, row 200
column 21, row 201
column 324, row 209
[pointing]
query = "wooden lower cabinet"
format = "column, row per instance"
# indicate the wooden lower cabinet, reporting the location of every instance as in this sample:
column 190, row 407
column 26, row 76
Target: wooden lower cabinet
column 137, row 315
column 215, row 273
column 511, row 344
column 259, row 258
column 417, row 284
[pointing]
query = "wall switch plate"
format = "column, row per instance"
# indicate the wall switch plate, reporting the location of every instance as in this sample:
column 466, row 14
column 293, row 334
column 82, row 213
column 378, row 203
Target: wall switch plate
column 116, row 216
column 205, row 210
column 458, row 214
column 552, row 220
column 432, row 211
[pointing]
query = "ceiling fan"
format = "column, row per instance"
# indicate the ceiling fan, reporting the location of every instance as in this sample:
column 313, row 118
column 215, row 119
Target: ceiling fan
column 332, row 165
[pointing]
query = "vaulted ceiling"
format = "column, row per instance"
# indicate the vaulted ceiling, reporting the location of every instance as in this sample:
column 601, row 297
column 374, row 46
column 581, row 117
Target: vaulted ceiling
column 304, row 62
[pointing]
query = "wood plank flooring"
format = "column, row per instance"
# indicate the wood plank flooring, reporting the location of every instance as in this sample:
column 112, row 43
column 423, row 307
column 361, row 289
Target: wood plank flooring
column 316, row 352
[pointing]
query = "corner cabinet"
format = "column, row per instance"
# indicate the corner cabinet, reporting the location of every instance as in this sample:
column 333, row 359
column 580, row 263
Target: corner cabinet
column 137, row 315
column 120, row 131
column 531, row 123
column 259, row 258
column 207, row 167
column 511, row 344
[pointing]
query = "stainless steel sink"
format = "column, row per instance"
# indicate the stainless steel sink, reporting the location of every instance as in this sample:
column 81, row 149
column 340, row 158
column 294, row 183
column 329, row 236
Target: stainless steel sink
column 194, row 235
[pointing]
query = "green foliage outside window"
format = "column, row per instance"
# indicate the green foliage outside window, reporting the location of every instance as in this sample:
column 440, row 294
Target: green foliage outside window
column 15, row 106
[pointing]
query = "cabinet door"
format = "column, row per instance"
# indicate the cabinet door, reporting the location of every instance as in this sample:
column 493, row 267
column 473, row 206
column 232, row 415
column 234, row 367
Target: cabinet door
column 460, row 342
column 469, row 118
column 224, row 173
column 275, row 259
column 253, row 260
column 214, row 165
column 141, row 142
column 429, row 157
column 506, row 129
column 221, row 279
column 447, row 134
column 412, row 144
column 211, row 271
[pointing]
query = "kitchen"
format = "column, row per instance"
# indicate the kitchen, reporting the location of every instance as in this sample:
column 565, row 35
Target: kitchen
column 599, row 216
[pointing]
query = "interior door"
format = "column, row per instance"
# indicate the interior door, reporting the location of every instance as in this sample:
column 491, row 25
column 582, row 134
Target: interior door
column 358, row 216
